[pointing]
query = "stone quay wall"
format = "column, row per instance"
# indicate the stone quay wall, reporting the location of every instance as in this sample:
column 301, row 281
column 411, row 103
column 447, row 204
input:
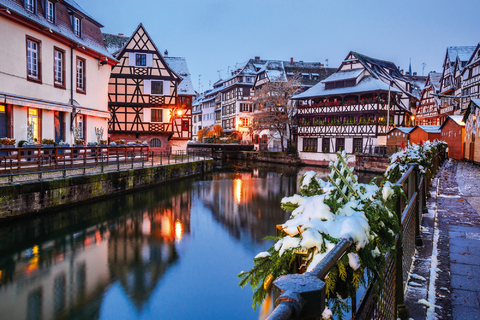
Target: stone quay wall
column 41, row 196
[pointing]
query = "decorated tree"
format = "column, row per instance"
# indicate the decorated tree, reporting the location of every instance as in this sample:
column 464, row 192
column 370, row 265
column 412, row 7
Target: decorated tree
column 274, row 111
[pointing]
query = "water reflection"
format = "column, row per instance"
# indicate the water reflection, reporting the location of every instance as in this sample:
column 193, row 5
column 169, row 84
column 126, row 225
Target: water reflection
column 170, row 252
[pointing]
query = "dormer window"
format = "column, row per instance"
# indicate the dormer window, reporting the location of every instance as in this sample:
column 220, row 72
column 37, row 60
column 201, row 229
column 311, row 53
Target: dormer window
column 77, row 26
column 50, row 11
column 30, row 5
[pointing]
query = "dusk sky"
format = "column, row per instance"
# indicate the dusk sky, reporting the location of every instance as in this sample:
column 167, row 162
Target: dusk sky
column 220, row 34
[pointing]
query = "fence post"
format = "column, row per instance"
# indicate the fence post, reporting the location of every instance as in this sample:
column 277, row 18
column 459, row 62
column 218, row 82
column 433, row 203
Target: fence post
column 39, row 166
column 64, row 166
column 118, row 161
column 85, row 162
column 400, row 307
column 418, row 212
column 11, row 170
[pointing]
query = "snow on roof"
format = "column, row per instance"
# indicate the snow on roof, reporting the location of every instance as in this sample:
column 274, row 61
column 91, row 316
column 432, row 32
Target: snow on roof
column 63, row 30
column 464, row 53
column 476, row 101
column 430, row 129
column 179, row 66
column 114, row 42
column 435, row 79
column 458, row 119
column 342, row 75
column 406, row 130
column 367, row 84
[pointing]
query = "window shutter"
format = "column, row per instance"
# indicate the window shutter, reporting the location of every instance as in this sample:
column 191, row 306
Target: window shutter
column 166, row 88
column 149, row 60
column 131, row 59
column 147, row 114
column 147, row 86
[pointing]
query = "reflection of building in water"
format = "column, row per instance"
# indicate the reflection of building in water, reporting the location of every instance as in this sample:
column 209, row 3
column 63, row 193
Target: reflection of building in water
column 66, row 274
column 142, row 246
column 250, row 209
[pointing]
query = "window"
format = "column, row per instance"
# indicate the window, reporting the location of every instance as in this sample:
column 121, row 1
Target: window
column 50, row 11
column 140, row 60
column 80, row 75
column 155, row 143
column 340, row 145
column 30, row 5
column 244, row 122
column 185, row 125
column 80, row 125
column 33, row 59
column 244, row 107
column 157, row 115
column 157, row 87
column 326, row 145
column 310, row 144
column 59, row 69
column 77, row 26
column 249, row 79
column 33, row 119
column 357, row 145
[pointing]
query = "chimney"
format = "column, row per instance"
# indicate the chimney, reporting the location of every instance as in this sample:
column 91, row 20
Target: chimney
column 257, row 58
column 401, row 71
column 301, row 61
column 414, row 74
column 165, row 54
column 291, row 61
column 120, row 34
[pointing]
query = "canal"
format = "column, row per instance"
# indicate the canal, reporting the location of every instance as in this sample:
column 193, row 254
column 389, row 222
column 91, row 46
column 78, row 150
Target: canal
column 168, row 252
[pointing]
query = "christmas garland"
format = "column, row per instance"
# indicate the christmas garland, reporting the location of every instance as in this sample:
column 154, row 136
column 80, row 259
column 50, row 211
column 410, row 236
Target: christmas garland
column 324, row 213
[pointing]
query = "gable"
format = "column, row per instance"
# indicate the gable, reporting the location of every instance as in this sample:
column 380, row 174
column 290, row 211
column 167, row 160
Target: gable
column 140, row 43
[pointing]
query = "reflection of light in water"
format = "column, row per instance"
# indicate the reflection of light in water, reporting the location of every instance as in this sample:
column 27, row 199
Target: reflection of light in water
column 178, row 230
column 33, row 264
column 166, row 226
column 266, row 307
column 237, row 190
column 146, row 226
column 98, row 237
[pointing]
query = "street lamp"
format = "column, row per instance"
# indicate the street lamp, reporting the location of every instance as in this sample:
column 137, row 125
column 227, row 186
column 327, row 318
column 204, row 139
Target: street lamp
column 412, row 117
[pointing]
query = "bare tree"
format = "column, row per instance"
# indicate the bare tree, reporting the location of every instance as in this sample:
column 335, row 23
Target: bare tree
column 274, row 111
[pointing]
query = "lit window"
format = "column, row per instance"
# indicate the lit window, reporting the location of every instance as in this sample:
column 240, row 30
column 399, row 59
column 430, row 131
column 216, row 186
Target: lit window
column 77, row 27
column 30, row 5
column 32, row 58
column 33, row 119
column 50, row 11
column 141, row 60
column 80, row 74
column 58, row 67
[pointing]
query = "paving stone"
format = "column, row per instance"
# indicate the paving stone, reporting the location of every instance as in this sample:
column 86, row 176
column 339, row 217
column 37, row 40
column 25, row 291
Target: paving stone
column 465, row 298
column 465, row 282
column 466, row 258
column 460, row 312
column 462, row 269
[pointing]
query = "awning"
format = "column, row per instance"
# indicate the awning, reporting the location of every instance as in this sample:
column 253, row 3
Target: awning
column 93, row 113
column 38, row 104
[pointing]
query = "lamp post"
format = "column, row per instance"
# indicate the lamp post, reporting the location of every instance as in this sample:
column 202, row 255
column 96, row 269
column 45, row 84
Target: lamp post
column 388, row 109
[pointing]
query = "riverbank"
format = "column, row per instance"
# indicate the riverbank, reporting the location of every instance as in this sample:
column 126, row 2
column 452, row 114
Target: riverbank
column 39, row 196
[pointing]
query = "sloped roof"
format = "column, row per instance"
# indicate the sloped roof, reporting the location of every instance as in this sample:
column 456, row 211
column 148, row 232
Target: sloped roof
column 342, row 75
column 114, row 42
column 406, row 130
column 367, row 84
column 435, row 80
column 456, row 118
column 179, row 66
column 474, row 103
column 90, row 39
column 462, row 52
column 429, row 129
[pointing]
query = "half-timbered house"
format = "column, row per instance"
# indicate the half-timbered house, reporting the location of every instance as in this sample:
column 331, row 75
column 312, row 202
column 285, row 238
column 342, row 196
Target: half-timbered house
column 428, row 109
column 471, row 149
column 455, row 59
column 470, row 79
column 54, row 70
column 145, row 96
column 350, row 109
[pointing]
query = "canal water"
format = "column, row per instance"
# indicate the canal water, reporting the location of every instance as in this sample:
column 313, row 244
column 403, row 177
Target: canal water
column 168, row 252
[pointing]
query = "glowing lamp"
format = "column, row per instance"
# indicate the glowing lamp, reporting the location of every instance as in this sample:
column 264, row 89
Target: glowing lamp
column 179, row 112
column 412, row 118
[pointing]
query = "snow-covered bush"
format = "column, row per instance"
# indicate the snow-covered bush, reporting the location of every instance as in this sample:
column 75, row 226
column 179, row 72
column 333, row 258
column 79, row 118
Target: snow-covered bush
column 325, row 213
column 422, row 153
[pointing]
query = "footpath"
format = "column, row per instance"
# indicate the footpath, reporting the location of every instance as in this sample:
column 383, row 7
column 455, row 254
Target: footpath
column 444, row 281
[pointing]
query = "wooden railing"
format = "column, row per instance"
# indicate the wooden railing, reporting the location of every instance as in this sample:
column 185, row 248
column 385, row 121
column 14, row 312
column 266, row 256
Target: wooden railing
column 303, row 296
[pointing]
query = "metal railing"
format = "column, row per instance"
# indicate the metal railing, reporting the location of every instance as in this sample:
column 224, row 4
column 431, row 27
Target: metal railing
column 42, row 163
column 379, row 150
column 302, row 296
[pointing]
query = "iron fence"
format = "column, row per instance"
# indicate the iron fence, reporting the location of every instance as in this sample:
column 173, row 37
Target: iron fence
column 379, row 150
column 303, row 296
column 39, row 163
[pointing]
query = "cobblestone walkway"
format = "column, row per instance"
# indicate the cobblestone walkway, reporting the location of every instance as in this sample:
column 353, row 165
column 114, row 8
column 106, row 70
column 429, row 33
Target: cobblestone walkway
column 455, row 202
